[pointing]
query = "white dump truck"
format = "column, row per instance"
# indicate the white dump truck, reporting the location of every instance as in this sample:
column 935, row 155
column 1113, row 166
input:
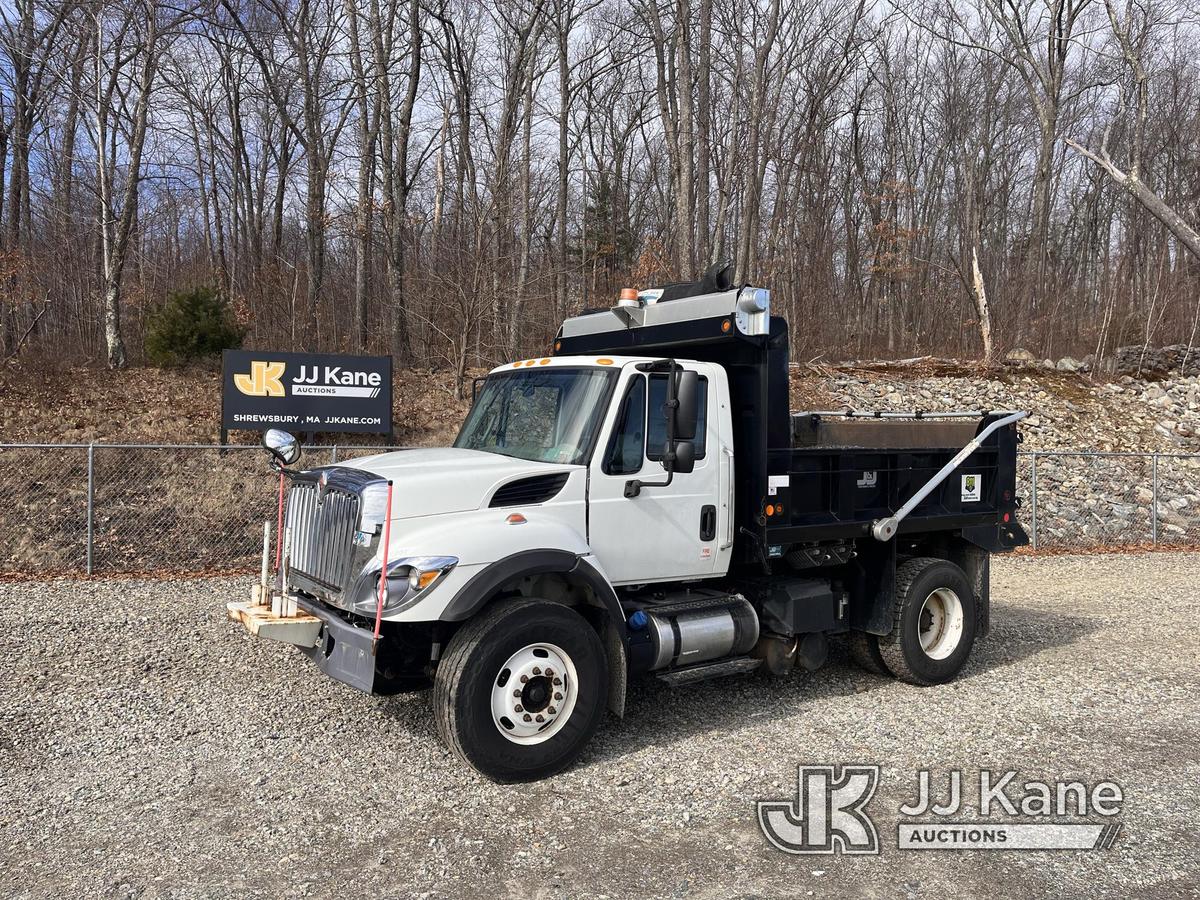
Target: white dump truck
column 640, row 501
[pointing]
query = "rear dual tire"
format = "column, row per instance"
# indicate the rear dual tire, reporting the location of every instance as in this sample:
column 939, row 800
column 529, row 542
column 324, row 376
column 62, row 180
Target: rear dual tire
column 933, row 627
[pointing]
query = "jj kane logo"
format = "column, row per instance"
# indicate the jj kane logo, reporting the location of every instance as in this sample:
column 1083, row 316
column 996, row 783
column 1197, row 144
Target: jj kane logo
column 266, row 380
column 263, row 380
column 829, row 814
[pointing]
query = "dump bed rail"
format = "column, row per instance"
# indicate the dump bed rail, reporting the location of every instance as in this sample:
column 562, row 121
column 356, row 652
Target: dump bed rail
column 912, row 414
column 885, row 529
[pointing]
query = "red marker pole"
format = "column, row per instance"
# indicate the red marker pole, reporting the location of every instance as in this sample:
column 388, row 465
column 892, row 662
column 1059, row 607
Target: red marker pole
column 279, row 527
column 387, row 535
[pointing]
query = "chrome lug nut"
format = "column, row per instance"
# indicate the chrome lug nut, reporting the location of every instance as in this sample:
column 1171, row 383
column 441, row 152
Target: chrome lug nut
column 537, row 671
column 557, row 681
column 524, row 678
column 516, row 693
column 552, row 710
column 540, row 718
column 557, row 696
column 519, row 708
column 527, row 717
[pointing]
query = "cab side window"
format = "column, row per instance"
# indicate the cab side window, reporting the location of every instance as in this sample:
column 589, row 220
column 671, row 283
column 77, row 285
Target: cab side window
column 658, row 421
column 627, row 446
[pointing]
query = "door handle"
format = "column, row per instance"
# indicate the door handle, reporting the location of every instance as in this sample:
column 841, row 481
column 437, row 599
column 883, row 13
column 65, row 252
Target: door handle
column 727, row 458
column 708, row 523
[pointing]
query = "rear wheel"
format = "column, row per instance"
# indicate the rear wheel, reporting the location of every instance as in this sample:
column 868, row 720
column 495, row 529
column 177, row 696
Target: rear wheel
column 521, row 689
column 864, row 650
column 934, row 625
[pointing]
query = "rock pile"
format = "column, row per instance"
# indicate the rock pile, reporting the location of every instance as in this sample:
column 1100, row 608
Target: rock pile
column 1083, row 499
column 1134, row 360
column 1138, row 360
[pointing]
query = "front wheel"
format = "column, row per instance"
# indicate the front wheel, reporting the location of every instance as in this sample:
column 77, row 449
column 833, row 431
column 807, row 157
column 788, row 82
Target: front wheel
column 934, row 625
column 521, row 689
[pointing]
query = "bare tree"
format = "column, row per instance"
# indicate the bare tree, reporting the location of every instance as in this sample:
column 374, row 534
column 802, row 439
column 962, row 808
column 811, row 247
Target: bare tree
column 128, row 44
column 1132, row 35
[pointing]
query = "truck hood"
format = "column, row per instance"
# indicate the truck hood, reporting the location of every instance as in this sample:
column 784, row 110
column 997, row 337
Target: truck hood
column 447, row 479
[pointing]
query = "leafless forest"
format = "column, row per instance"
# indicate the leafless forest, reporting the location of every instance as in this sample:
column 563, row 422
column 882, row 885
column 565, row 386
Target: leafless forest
column 444, row 179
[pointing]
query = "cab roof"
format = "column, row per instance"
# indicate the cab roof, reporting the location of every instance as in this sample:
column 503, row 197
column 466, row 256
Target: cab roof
column 597, row 361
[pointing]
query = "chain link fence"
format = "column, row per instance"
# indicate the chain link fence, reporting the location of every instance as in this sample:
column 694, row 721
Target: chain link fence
column 135, row 508
column 1095, row 500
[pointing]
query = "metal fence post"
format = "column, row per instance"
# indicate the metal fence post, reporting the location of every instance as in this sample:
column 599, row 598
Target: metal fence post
column 333, row 456
column 1154, row 499
column 91, row 498
column 1033, row 502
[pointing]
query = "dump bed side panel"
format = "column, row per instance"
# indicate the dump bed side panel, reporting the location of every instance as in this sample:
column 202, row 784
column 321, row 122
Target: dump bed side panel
column 830, row 491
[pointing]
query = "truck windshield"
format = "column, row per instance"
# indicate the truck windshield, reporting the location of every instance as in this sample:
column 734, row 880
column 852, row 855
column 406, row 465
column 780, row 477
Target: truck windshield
column 546, row 415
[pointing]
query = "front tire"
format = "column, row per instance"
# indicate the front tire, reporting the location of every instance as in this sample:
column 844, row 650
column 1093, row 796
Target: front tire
column 521, row 689
column 934, row 625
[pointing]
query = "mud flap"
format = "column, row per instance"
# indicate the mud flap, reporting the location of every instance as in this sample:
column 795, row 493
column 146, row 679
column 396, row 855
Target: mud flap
column 614, row 649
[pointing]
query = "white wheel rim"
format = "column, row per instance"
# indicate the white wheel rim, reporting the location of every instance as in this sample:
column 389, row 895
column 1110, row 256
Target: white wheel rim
column 534, row 693
column 940, row 624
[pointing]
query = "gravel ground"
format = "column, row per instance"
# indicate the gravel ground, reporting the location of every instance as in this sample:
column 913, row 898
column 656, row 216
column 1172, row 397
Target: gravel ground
column 151, row 749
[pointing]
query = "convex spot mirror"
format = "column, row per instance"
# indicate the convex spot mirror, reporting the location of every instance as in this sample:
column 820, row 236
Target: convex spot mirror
column 685, row 457
column 282, row 446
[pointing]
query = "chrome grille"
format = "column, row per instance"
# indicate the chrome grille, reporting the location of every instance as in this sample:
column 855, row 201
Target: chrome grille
column 322, row 534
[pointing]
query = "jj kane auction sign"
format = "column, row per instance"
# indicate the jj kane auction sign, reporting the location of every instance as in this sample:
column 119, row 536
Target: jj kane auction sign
column 306, row 392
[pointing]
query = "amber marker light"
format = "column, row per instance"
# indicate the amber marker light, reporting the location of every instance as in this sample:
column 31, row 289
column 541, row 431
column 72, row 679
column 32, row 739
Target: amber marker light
column 516, row 519
column 424, row 580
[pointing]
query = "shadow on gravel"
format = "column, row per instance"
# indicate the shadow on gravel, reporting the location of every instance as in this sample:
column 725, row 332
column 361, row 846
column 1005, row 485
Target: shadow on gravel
column 659, row 715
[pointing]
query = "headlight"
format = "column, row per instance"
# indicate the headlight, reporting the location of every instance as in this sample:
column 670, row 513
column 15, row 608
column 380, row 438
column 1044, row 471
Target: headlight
column 408, row 578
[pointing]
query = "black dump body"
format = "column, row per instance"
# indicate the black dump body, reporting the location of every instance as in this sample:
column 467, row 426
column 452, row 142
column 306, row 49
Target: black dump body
column 833, row 476
column 843, row 473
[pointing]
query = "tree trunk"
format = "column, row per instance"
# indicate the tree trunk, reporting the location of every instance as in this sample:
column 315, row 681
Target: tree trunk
column 704, row 238
column 402, row 132
column 1155, row 205
column 981, row 306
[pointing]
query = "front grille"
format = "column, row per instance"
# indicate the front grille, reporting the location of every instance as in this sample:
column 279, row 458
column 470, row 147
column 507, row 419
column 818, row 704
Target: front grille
column 322, row 534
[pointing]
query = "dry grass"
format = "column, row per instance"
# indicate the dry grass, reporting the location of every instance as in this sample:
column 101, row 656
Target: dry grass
column 145, row 405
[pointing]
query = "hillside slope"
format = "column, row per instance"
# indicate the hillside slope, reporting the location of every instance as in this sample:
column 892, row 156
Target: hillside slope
column 1068, row 411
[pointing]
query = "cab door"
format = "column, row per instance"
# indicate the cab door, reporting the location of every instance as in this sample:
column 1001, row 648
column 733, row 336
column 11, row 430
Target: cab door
column 664, row 533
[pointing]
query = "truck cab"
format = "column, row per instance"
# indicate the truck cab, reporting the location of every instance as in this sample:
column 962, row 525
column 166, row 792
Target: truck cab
column 639, row 501
column 604, row 416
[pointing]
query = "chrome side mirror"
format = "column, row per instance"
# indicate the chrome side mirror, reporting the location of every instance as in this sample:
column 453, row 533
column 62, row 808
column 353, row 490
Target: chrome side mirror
column 283, row 447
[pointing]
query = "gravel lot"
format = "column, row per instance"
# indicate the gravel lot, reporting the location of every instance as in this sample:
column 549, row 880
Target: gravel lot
column 152, row 749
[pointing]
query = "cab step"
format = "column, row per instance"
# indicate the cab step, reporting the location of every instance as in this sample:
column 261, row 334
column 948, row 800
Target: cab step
column 704, row 671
